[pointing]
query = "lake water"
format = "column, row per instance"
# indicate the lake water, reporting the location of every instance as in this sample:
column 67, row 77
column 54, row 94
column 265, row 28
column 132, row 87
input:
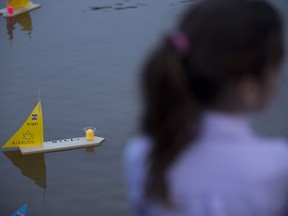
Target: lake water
column 85, row 57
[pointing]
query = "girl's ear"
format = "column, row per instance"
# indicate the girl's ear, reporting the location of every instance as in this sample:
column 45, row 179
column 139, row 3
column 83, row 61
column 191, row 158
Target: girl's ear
column 250, row 93
column 270, row 85
column 255, row 94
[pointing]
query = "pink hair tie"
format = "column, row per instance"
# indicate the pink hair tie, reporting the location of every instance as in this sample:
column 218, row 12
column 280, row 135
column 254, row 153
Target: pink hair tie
column 181, row 43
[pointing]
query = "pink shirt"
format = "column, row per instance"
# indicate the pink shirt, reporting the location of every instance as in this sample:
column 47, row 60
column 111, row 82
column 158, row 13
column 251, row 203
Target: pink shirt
column 228, row 171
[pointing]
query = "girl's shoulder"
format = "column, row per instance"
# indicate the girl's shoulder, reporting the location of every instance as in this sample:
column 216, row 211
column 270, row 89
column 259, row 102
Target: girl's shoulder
column 275, row 147
column 278, row 145
column 135, row 164
column 137, row 148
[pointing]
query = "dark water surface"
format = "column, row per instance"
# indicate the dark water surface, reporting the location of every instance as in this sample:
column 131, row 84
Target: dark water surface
column 84, row 56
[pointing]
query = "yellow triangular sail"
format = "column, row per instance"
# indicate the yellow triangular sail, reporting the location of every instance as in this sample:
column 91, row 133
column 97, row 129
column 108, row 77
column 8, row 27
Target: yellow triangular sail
column 18, row 3
column 31, row 133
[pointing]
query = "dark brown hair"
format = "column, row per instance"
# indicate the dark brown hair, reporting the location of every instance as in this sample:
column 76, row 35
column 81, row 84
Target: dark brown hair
column 228, row 40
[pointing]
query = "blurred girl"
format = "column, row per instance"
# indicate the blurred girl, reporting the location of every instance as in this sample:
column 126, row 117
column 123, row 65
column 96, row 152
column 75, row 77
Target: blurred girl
column 197, row 154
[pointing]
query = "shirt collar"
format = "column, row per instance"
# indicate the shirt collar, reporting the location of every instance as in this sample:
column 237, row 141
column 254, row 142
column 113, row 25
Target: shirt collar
column 222, row 123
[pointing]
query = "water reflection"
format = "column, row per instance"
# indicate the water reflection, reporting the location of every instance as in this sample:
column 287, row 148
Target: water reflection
column 31, row 166
column 118, row 6
column 24, row 21
column 90, row 149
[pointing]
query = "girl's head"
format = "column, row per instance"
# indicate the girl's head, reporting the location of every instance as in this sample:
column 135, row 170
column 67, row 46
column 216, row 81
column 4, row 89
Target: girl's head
column 225, row 56
column 236, row 50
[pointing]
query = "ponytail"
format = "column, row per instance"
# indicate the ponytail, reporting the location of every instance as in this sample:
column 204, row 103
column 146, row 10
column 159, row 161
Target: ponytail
column 170, row 115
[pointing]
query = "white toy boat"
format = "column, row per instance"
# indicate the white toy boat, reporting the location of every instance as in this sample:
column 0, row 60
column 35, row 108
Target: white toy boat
column 30, row 137
column 16, row 11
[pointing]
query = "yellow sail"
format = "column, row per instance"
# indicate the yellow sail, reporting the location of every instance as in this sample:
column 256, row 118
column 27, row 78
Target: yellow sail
column 31, row 133
column 18, row 3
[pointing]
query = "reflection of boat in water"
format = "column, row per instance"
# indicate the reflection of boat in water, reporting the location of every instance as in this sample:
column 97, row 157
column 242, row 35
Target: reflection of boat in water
column 23, row 20
column 31, row 166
